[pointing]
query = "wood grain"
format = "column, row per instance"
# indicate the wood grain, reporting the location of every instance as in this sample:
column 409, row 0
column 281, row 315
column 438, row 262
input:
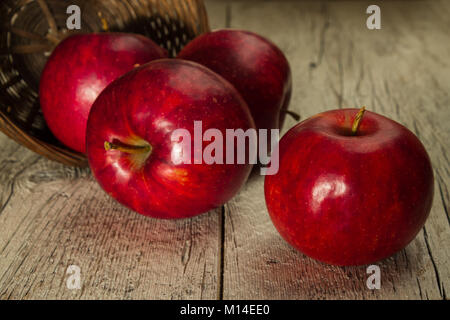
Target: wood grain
column 52, row 216
column 401, row 71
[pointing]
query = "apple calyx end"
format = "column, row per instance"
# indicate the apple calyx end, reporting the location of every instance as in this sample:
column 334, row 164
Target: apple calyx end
column 357, row 121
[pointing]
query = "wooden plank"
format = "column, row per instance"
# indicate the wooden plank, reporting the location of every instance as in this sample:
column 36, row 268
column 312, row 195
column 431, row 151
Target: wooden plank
column 54, row 216
column 218, row 13
column 400, row 71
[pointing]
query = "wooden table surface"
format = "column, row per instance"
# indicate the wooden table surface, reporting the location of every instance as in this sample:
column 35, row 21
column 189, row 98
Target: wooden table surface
column 53, row 216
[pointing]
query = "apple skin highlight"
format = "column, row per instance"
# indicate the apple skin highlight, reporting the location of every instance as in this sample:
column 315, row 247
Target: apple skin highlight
column 349, row 199
column 254, row 65
column 129, row 143
column 79, row 68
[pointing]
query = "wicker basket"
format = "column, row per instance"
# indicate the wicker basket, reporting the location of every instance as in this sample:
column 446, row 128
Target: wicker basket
column 30, row 31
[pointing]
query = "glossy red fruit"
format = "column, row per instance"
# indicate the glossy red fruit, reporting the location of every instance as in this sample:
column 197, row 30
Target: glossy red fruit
column 254, row 65
column 350, row 200
column 79, row 68
column 136, row 116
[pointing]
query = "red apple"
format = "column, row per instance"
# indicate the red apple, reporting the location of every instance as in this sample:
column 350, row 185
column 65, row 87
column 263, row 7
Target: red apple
column 130, row 142
column 254, row 65
column 80, row 67
column 350, row 196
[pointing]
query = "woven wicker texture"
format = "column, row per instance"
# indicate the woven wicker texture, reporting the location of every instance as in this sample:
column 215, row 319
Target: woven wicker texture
column 31, row 29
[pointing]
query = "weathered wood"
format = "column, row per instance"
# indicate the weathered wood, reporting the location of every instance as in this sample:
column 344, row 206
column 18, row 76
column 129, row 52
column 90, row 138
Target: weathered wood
column 218, row 13
column 54, row 216
column 401, row 71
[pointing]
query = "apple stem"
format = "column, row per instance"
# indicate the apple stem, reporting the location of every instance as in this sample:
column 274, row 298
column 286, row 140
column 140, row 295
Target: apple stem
column 117, row 145
column 294, row 115
column 357, row 121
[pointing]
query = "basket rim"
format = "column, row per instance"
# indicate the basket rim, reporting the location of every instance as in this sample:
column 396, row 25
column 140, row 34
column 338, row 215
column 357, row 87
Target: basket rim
column 50, row 151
